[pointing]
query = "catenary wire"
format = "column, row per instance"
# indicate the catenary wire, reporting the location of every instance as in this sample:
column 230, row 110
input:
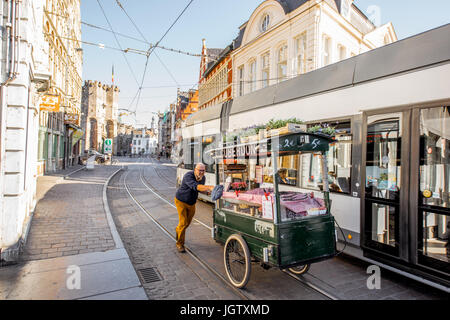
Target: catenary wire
column 117, row 40
column 153, row 48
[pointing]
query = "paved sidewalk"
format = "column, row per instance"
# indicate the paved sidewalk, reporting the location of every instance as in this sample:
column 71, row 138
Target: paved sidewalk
column 70, row 235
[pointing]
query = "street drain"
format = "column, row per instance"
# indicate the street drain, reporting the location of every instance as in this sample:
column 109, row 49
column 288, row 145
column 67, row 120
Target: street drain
column 149, row 275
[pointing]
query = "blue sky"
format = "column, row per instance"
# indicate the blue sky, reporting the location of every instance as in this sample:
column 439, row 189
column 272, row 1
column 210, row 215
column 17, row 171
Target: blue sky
column 216, row 21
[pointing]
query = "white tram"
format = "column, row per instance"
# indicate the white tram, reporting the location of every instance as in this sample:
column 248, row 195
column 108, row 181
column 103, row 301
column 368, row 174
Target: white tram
column 390, row 166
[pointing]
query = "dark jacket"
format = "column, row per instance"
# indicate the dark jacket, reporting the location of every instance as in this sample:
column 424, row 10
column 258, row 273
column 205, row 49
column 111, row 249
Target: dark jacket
column 187, row 192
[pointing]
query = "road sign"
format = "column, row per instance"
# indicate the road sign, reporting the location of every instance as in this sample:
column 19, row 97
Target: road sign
column 108, row 146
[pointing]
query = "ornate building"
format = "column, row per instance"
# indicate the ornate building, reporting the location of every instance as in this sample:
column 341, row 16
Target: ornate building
column 286, row 38
column 59, row 122
column 40, row 71
column 216, row 76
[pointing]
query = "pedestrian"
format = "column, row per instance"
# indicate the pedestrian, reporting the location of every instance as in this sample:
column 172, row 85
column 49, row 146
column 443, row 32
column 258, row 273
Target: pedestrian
column 185, row 199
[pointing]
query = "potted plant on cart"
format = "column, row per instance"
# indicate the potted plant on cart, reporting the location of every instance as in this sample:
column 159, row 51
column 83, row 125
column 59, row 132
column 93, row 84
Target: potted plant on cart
column 278, row 127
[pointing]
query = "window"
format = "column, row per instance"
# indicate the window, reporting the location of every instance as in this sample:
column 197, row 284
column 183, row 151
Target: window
column 300, row 54
column 265, row 74
column 342, row 53
column 252, row 76
column 435, row 157
column 326, row 51
column 282, row 63
column 339, row 160
column 265, row 23
column 345, row 8
column 241, row 80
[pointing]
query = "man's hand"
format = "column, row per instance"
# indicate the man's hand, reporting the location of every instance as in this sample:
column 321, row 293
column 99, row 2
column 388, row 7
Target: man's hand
column 205, row 189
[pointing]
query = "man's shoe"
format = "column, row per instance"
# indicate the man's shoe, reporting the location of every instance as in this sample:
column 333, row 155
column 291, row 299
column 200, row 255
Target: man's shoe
column 181, row 249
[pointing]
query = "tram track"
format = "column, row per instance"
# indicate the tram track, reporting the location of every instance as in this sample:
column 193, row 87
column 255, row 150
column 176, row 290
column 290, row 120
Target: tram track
column 152, row 189
column 189, row 251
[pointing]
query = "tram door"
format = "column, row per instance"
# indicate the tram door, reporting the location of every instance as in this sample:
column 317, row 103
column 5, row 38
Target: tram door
column 406, row 207
column 434, row 188
column 383, row 183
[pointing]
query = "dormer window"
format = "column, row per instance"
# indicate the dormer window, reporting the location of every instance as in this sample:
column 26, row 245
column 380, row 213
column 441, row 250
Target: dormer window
column 265, row 23
column 345, row 8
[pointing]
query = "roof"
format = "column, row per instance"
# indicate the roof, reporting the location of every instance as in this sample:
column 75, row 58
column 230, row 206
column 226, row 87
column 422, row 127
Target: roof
column 289, row 6
column 221, row 56
column 213, row 51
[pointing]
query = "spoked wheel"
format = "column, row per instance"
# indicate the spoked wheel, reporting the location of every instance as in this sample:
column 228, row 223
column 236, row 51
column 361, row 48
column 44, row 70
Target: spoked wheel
column 237, row 260
column 300, row 269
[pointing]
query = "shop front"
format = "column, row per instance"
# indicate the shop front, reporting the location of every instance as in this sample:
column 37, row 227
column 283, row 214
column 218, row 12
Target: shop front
column 73, row 135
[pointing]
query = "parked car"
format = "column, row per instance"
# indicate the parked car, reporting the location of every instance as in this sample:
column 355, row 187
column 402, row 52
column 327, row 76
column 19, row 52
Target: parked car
column 99, row 157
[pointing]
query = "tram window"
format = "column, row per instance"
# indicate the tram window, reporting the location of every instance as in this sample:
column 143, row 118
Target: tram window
column 383, row 159
column 436, row 231
column 383, row 220
column 339, row 160
column 208, row 143
column 435, row 156
column 188, row 154
column 197, row 146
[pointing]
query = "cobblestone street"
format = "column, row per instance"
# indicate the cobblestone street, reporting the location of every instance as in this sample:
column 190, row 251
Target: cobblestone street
column 181, row 277
column 61, row 228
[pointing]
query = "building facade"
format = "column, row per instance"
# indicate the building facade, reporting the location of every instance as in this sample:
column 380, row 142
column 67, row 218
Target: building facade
column 166, row 131
column 216, row 76
column 99, row 115
column 286, row 38
column 124, row 139
column 33, row 78
column 145, row 142
column 59, row 122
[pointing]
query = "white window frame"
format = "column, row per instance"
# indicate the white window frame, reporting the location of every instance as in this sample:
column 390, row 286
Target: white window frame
column 252, row 75
column 300, row 47
column 265, row 23
column 342, row 49
column 265, row 69
column 241, row 81
column 345, row 8
column 281, row 62
column 326, row 54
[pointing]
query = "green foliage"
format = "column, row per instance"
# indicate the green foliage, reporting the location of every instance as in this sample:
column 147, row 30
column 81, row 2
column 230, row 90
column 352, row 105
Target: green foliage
column 329, row 131
column 230, row 136
column 314, row 129
column 275, row 124
column 325, row 130
column 248, row 133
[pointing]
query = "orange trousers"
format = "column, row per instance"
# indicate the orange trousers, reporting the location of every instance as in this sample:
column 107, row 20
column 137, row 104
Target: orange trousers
column 186, row 213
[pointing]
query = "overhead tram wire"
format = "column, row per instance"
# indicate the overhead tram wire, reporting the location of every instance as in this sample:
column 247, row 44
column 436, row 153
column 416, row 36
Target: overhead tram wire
column 132, row 21
column 144, row 52
column 167, row 69
column 151, row 49
column 117, row 40
column 119, row 34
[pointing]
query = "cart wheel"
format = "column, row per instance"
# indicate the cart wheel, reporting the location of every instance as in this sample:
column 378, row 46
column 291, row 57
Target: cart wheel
column 237, row 260
column 300, row 269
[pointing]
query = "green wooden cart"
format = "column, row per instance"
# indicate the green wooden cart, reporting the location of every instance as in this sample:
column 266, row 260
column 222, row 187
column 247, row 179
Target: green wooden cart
column 263, row 216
